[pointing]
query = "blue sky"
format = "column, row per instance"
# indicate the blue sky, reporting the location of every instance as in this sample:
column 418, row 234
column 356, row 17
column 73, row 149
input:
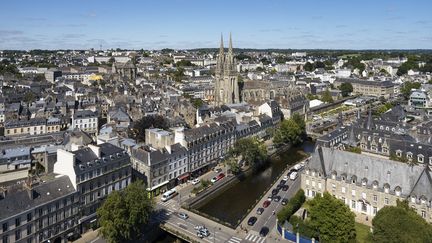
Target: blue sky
column 334, row 24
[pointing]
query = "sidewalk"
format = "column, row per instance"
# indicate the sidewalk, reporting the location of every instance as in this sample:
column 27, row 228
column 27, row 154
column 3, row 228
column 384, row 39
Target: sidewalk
column 88, row 237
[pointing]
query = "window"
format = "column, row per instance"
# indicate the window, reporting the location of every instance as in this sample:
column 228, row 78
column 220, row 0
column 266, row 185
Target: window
column 313, row 183
column 375, row 198
column 17, row 222
column 5, row 239
column 29, row 229
column 375, row 210
column 364, row 195
column 386, row 200
column 307, row 182
column 17, row 234
column 353, row 204
column 29, row 217
column 319, row 185
column 5, row 227
column 423, row 214
column 353, row 192
column 343, row 189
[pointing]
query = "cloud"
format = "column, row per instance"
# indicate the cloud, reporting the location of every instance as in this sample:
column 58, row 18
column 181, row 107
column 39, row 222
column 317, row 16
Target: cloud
column 6, row 33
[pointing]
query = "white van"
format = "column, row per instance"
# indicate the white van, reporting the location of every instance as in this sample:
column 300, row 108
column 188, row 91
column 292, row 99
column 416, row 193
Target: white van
column 293, row 176
column 168, row 195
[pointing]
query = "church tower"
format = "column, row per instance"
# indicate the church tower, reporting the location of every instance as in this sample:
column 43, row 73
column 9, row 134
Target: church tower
column 226, row 86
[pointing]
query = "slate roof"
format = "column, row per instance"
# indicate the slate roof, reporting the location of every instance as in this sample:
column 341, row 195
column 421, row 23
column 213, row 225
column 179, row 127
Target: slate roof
column 381, row 170
column 20, row 201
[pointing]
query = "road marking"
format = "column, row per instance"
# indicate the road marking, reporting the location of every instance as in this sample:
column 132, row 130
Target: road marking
column 93, row 241
column 261, row 240
column 234, row 240
column 189, row 232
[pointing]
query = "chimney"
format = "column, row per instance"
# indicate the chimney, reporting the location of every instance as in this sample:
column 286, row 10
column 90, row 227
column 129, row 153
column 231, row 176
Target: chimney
column 95, row 150
column 29, row 187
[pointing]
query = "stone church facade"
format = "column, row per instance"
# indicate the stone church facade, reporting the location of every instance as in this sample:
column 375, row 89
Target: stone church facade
column 226, row 83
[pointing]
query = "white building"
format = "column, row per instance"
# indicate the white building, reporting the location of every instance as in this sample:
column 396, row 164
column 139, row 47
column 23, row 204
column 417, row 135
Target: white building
column 85, row 120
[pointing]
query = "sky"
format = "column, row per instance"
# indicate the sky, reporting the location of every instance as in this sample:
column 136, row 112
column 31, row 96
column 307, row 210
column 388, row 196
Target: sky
column 187, row 24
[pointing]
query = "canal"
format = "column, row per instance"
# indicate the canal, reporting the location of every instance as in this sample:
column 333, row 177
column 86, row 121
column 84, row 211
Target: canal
column 232, row 204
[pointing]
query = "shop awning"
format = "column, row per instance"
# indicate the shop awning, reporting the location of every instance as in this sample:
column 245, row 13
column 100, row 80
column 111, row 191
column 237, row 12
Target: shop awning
column 184, row 176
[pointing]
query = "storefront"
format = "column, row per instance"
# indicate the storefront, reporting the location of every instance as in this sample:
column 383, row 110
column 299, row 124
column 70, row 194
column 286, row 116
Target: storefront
column 183, row 178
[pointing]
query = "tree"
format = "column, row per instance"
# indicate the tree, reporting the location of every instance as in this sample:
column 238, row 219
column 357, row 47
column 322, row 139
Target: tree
column 260, row 69
column 156, row 121
column 297, row 118
column 29, row 97
column 289, row 132
column 326, row 97
column 400, row 223
column 308, row 67
column 197, row 102
column 333, row 219
column 346, row 89
column 184, row 63
column 233, row 165
column 406, row 88
column 252, row 151
column 384, row 108
column 124, row 214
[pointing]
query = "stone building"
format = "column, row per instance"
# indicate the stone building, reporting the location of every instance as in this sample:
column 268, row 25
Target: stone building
column 291, row 99
column 127, row 70
column 367, row 183
column 226, row 83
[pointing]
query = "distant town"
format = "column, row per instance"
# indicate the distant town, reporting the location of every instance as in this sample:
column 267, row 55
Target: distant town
column 215, row 145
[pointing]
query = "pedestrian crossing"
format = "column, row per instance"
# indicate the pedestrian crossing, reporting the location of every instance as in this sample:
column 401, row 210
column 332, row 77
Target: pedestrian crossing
column 254, row 238
column 167, row 203
column 234, row 240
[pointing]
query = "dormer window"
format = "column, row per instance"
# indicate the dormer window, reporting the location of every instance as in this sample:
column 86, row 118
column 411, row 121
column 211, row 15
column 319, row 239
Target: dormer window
column 398, row 153
column 386, row 188
column 375, row 185
column 420, row 158
column 409, row 155
column 398, row 191
column 364, row 182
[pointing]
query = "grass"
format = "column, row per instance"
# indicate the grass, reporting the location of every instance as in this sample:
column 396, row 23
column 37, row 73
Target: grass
column 363, row 233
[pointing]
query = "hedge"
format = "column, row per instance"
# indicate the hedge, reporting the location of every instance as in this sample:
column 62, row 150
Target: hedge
column 293, row 205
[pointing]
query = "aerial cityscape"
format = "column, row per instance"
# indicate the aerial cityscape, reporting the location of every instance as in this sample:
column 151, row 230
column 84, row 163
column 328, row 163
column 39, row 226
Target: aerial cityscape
column 216, row 121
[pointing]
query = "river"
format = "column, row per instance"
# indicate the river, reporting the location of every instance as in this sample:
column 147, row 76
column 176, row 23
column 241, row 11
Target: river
column 232, row 204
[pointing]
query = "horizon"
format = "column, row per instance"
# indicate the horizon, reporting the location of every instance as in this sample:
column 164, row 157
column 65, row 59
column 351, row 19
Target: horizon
column 188, row 25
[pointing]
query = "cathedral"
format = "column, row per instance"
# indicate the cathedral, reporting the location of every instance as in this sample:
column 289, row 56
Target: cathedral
column 226, row 86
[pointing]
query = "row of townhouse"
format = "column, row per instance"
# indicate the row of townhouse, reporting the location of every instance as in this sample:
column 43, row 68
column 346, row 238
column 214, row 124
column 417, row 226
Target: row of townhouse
column 172, row 157
column 34, row 126
column 59, row 209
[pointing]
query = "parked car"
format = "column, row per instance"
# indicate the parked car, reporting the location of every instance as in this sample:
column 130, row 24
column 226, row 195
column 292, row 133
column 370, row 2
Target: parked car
column 266, row 203
column 278, row 187
column 195, row 181
column 275, row 191
column 270, row 197
column 218, row 170
column 220, row 176
column 252, row 221
column 293, row 176
column 260, row 211
column 282, row 182
column 264, row 231
column 277, row 198
column 205, row 232
column 285, row 178
column 183, row 216
column 285, row 188
column 284, row 201
column 214, row 179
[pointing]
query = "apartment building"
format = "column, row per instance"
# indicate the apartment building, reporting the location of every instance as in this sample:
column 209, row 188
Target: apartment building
column 367, row 183
column 368, row 87
column 85, row 120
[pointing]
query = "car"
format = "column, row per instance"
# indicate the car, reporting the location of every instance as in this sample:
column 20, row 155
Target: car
column 285, row 178
column 282, row 182
column 278, row 187
column 200, row 235
column 270, row 197
column 275, row 191
column 214, row 179
column 284, row 201
column 260, row 211
column 252, row 221
column 204, row 231
column 264, row 231
column 277, row 198
column 293, row 176
column 266, row 203
column 196, row 181
column 218, row 170
column 220, row 176
column 183, row 216
column 285, row 188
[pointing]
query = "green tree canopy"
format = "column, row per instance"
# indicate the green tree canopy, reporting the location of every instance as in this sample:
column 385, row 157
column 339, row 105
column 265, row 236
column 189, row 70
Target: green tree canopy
column 184, row 63
column 326, row 97
column 124, row 214
column 251, row 150
column 290, row 131
column 400, row 224
column 308, row 67
column 407, row 87
column 333, row 219
column 346, row 88
column 156, row 121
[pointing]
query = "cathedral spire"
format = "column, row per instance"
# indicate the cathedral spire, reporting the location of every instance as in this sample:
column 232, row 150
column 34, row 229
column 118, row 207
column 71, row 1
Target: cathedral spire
column 221, row 49
column 230, row 50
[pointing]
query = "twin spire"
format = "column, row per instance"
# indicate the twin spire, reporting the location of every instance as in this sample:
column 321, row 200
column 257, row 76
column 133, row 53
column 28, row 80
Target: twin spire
column 221, row 49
